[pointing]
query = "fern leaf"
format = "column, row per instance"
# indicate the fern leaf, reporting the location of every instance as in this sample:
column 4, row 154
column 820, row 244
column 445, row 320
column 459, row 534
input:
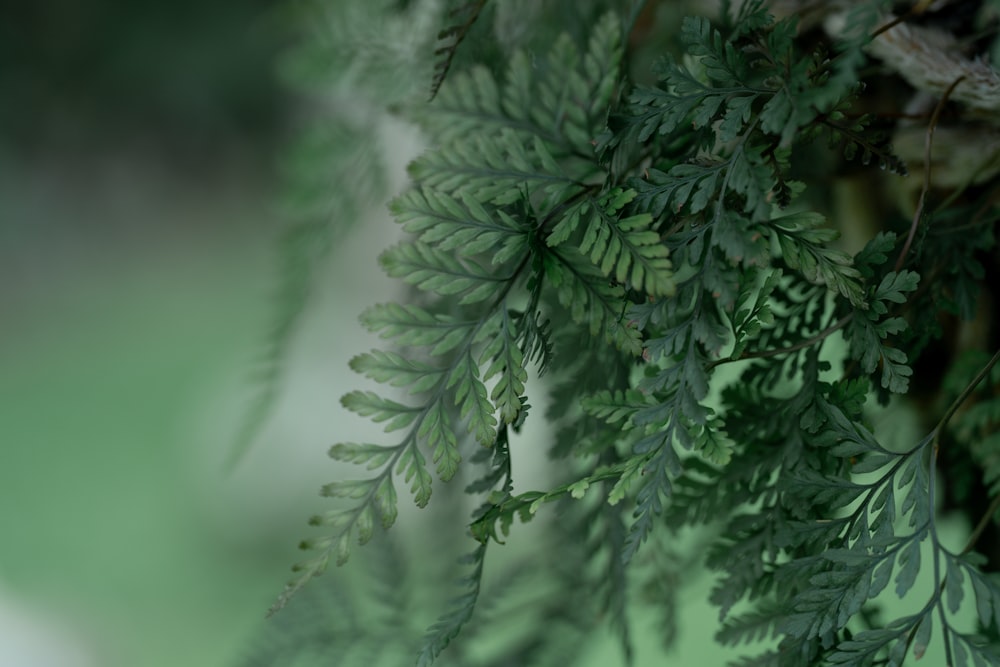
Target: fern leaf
column 374, row 456
column 803, row 246
column 369, row 404
column 657, row 470
column 436, row 271
column 493, row 169
column 564, row 102
column 471, row 398
column 691, row 185
column 393, row 369
column 412, row 325
column 616, row 407
column 461, row 226
column 626, row 249
column 575, row 91
column 412, row 465
column 712, row 444
column 755, row 626
column 438, row 433
column 453, row 35
column 449, row 625
column 591, row 299
column 503, row 357
column 867, row 331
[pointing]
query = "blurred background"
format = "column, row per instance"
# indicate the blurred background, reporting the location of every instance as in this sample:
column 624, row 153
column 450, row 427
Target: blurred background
column 140, row 146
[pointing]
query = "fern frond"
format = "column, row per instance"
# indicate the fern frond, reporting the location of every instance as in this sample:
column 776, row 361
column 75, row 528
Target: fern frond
column 632, row 241
column 448, row 626
column 462, row 226
column 802, row 238
column 564, row 100
column 502, row 356
column 466, row 16
column 755, row 626
column 495, row 169
column 618, row 407
column 591, row 299
column 626, row 249
column 574, row 92
column 429, row 427
column 867, row 331
column 436, row 271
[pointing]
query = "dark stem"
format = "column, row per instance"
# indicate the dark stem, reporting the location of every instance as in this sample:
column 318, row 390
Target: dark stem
column 957, row 403
column 833, row 328
column 981, row 526
column 927, row 173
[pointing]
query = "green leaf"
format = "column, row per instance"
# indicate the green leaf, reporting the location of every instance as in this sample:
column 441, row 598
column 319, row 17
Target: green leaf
column 626, row 249
column 411, row 465
column 590, row 299
column 448, row 626
column 437, row 271
column 616, row 407
column 370, row 404
column 385, row 502
column 374, row 455
column 391, row 368
column 348, row 488
column 922, row 637
column 437, row 431
column 504, row 358
column 713, row 445
column 460, row 225
column 803, row 240
column 909, row 566
column 412, row 325
column 471, row 398
column 954, row 590
column 492, row 169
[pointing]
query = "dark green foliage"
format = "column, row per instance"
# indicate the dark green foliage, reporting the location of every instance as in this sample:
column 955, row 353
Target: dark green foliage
column 661, row 255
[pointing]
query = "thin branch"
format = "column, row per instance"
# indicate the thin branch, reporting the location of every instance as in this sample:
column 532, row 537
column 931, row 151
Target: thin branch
column 890, row 25
column 927, row 173
column 981, row 526
column 949, row 413
column 932, row 525
column 801, row 345
column 957, row 403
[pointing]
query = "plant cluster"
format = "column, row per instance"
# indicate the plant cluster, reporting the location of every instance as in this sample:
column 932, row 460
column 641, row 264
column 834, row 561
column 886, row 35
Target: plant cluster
column 660, row 255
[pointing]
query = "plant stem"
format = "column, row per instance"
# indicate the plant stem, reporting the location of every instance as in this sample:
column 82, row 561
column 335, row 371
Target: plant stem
column 981, row 526
column 925, row 188
column 833, row 328
column 957, row 403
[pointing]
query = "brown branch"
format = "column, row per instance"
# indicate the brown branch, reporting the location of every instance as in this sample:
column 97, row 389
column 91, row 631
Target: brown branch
column 927, row 173
column 455, row 33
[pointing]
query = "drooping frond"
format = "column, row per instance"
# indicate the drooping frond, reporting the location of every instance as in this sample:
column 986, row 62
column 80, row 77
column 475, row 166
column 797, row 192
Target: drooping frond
column 448, row 626
column 341, row 147
column 479, row 208
column 626, row 250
